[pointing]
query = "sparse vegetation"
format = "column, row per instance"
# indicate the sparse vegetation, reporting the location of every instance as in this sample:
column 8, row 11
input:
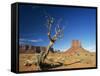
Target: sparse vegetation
column 52, row 60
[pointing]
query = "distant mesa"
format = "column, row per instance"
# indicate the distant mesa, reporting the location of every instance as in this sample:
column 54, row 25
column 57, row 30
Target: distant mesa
column 76, row 48
column 33, row 49
column 76, row 44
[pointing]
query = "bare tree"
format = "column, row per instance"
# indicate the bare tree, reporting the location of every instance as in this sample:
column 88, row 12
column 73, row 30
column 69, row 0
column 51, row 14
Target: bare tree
column 58, row 34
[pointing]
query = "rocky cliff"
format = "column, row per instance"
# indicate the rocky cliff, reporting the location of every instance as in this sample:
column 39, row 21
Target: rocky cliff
column 33, row 49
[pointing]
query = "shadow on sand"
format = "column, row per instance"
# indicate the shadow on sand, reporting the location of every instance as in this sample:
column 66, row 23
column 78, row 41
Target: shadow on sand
column 46, row 66
column 73, row 63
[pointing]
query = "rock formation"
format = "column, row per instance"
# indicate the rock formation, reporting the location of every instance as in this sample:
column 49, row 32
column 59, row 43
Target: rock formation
column 32, row 49
column 76, row 48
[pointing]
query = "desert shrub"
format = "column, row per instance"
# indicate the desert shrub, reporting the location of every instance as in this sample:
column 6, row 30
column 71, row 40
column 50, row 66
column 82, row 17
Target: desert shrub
column 85, row 54
column 92, row 55
column 51, row 60
column 78, row 54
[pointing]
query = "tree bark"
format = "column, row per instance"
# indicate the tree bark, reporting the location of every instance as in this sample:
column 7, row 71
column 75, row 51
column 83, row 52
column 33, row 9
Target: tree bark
column 47, row 51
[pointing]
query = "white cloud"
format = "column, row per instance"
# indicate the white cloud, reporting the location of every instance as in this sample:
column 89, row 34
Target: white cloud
column 92, row 48
column 29, row 40
column 38, row 40
column 22, row 39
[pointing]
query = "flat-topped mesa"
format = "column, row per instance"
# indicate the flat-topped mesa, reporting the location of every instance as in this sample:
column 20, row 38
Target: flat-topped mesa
column 75, row 49
column 76, row 44
column 33, row 49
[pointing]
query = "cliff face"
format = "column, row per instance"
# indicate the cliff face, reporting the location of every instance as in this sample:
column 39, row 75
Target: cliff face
column 76, row 44
column 76, row 48
column 32, row 49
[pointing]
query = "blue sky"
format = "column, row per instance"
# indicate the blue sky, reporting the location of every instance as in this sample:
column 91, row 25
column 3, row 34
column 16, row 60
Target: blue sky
column 79, row 24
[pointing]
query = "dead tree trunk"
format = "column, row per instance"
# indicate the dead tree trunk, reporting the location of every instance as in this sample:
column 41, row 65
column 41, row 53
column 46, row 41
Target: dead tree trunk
column 58, row 34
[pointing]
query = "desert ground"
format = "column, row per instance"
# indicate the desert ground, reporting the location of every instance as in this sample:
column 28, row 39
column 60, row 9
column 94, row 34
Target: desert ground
column 81, row 60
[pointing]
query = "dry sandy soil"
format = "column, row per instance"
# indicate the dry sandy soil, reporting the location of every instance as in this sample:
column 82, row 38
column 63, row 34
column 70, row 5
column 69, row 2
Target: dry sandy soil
column 82, row 60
